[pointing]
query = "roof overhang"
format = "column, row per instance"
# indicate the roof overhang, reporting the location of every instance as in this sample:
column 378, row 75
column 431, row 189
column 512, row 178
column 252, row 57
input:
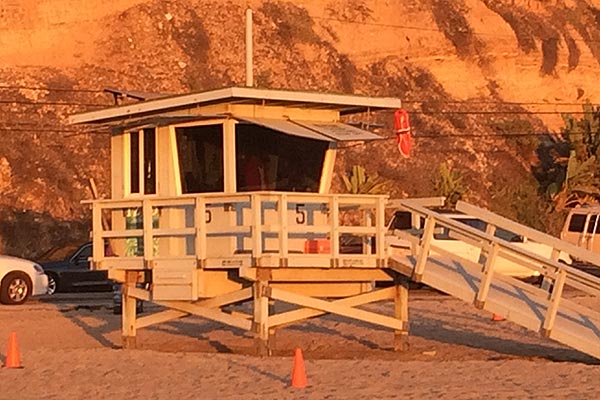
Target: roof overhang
column 324, row 131
column 158, row 120
column 345, row 104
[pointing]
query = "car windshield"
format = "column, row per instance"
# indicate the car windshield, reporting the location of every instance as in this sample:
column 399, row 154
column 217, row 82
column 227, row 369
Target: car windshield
column 444, row 233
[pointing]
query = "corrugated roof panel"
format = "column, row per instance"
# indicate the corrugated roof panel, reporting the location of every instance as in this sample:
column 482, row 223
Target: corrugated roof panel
column 287, row 127
column 338, row 131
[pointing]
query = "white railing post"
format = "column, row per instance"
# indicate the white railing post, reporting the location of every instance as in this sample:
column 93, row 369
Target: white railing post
column 559, row 284
column 335, row 231
column 200, row 225
column 257, row 250
column 367, row 245
column 283, row 230
column 488, row 274
column 380, row 235
column 424, row 248
column 97, row 233
column 148, row 239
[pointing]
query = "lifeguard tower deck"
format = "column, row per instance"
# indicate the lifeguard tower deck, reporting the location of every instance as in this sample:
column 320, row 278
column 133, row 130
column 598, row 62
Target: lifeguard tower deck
column 222, row 197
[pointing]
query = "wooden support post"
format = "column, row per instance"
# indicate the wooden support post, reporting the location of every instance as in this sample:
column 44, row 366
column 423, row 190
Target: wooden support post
column 546, row 282
column 128, row 313
column 272, row 340
column 424, row 249
column 488, row 274
column 485, row 253
column 401, row 313
column 555, row 297
column 380, row 235
column 261, row 318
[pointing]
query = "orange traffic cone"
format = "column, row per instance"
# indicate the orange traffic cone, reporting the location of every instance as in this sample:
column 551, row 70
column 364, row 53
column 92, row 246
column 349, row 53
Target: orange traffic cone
column 13, row 359
column 298, row 371
column 497, row 317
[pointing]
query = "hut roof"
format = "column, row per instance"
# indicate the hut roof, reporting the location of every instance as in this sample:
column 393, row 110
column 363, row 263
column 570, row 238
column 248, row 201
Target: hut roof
column 345, row 104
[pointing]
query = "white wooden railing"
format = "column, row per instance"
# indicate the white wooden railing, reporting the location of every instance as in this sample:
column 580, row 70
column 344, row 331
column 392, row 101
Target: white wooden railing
column 272, row 229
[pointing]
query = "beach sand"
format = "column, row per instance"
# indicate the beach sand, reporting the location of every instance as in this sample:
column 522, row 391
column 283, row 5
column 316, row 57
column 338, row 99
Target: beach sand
column 456, row 352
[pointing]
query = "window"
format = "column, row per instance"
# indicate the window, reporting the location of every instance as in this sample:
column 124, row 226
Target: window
column 473, row 223
column 270, row 160
column 591, row 228
column 509, row 236
column 142, row 158
column 200, row 150
column 149, row 161
column 134, row 162
column 577, row 222
column 402, row 220
column 82, row 255
column 500, row 233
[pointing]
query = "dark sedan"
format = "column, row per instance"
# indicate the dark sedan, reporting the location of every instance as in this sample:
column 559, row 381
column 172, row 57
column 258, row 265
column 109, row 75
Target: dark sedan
column 73, row 274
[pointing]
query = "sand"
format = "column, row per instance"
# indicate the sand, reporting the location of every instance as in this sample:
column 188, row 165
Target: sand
column 71, row 352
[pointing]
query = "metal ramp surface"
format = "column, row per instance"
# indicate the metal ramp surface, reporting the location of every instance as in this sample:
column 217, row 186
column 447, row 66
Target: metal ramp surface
column 542, row 308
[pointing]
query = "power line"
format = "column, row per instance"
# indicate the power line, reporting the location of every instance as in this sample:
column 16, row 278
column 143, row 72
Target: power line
column 416, row 101
column 51, row 103
column 51, row 89
column 497, row 112
column 445, row 135
column 427, row 29
column 462, row 112
column 57, row 130
column 417, row 135
column 504, row 103
column 451, row 135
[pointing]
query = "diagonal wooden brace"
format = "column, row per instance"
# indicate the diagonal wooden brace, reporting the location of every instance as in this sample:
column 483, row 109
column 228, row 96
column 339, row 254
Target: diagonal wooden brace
column 168, row 315
column 208, row 313
column 291, row 317
column 337, row 307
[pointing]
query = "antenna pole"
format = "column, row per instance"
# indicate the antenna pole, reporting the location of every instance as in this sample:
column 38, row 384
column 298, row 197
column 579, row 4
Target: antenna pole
column 249, row 71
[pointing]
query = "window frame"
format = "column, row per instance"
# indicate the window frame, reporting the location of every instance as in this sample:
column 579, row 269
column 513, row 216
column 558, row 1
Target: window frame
column 141, row 162
column 226, row 129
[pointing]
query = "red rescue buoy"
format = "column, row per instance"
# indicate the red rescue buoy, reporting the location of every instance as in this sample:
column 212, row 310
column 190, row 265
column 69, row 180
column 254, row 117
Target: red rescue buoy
column 403, row 132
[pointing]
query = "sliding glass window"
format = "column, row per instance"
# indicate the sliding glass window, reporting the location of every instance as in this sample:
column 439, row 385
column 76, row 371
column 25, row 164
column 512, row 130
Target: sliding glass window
column 200, row 150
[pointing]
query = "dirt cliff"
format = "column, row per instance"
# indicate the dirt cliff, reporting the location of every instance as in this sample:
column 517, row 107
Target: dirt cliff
column 485, row 81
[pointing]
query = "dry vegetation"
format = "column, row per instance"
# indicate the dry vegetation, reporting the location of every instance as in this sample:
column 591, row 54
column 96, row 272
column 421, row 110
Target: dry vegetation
column 189, row 45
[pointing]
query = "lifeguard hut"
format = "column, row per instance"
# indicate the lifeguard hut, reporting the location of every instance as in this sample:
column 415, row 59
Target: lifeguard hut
column 223, row 197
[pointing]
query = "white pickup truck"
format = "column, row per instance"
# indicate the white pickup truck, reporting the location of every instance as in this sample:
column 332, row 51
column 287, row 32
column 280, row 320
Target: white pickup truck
column 401, row 221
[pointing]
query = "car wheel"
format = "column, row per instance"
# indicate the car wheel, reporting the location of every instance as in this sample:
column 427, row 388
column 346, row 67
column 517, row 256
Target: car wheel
column 15, row 288
column 52, row 284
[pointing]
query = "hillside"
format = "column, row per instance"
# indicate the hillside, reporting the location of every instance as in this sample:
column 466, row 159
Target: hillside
column 483, row 80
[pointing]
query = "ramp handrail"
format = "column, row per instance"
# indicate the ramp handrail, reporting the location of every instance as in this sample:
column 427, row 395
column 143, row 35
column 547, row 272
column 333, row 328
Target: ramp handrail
column 549, row 268
column 573, row 250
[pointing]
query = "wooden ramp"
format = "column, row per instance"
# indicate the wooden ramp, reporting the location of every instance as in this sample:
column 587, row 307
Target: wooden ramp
column 542, row 308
